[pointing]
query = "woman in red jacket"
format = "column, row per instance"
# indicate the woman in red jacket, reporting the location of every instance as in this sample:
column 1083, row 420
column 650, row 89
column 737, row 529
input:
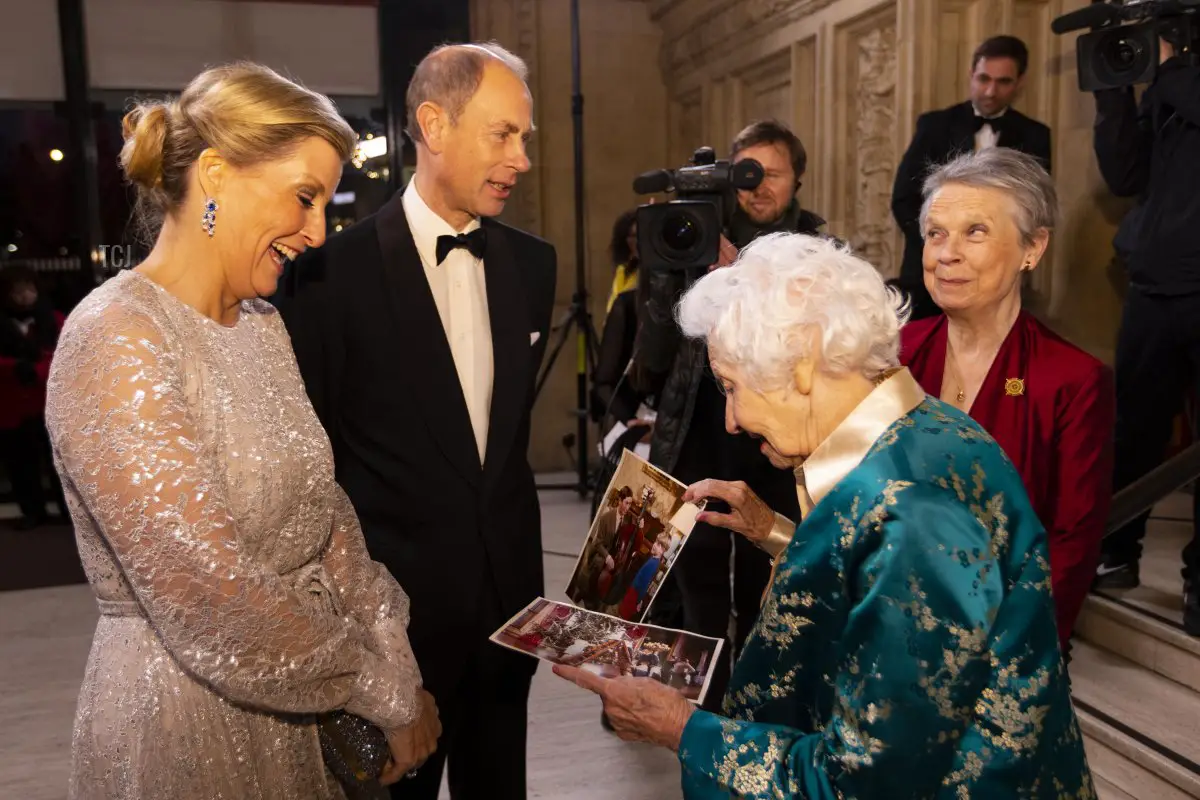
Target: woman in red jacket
column 986, row 221
column 28, row 332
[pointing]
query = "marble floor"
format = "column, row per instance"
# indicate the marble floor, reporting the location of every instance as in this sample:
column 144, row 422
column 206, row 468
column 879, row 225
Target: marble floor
column 45, row 635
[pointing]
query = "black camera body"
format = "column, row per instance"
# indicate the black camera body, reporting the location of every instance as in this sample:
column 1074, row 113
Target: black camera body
column 685, row 233
column 1123, row 48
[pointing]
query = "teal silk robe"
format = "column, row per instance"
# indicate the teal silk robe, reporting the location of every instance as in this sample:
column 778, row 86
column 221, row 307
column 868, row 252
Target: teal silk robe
column 907, row 646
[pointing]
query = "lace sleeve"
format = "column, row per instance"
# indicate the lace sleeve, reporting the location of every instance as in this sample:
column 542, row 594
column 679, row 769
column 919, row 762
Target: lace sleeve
column 128, row 442
column 370, row 593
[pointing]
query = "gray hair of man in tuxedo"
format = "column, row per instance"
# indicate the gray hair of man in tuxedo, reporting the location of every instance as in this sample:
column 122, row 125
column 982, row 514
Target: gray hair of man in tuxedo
column 470, row 115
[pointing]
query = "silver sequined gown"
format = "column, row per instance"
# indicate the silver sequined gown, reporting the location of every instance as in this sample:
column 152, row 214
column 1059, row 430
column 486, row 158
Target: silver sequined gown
column 236, row 595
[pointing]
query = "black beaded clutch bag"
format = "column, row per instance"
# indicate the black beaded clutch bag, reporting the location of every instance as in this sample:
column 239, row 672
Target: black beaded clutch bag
column 355, row 751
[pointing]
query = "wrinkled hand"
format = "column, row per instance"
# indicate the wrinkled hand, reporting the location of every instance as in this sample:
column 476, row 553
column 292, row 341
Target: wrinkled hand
column 726, row 255
column 413, row 745
column 748, row 514
column 640, row 709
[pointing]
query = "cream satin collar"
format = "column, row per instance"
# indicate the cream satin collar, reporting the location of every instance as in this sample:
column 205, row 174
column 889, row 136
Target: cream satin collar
column 896, row 395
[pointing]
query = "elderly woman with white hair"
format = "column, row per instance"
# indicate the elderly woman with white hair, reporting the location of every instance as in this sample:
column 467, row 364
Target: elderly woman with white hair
column 906, row 647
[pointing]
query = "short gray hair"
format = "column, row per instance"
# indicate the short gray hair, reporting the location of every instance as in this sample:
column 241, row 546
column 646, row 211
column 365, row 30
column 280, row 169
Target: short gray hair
column 1017, row 174
column 450, row 75
column 789, row 297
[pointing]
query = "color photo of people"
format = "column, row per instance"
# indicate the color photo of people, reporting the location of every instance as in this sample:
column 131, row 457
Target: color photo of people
column 611, row 648
column 639, row 529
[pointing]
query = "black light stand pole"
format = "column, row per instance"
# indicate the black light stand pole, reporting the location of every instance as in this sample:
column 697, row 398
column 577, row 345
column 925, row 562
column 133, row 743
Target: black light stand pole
column 82, row 158
column 583, row 331
column 578, row 314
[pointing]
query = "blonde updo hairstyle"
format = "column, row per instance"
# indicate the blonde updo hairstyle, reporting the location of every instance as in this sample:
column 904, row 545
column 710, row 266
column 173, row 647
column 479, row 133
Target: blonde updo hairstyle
column 246, row 112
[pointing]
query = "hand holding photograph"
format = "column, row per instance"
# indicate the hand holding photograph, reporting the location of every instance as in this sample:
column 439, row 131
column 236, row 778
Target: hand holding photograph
column 611, row 648
column 639, row 529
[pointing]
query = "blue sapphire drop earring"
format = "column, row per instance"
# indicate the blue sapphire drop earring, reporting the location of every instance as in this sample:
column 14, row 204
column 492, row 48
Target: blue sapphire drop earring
column 210, row 217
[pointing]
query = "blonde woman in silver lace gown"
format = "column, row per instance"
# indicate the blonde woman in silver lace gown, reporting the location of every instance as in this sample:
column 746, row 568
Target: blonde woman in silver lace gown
column 237, row 599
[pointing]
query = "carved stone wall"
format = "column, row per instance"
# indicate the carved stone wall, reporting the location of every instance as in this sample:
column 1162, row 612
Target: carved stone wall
column 870, row 94
column 766, row 89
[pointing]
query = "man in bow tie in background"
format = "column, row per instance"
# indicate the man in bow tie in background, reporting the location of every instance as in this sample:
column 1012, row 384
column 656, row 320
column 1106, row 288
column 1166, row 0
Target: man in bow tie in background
column 987, row 119
column 419, row 332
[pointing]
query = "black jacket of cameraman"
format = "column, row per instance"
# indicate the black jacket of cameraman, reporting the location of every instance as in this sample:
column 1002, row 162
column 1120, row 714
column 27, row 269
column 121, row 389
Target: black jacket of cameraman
column 1153, row 151
column 671, row 367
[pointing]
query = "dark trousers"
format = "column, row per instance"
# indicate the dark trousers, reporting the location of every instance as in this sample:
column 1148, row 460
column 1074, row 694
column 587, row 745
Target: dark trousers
column 25, row 451
column 712, row 556
column 1158, row 360
column 484, row 715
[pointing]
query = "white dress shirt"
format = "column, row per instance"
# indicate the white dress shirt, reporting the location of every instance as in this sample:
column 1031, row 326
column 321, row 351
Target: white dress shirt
column 986, row 136
column 460, row 292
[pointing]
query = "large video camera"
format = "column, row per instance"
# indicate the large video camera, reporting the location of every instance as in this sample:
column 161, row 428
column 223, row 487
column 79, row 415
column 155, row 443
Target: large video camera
column 686, row 233
column 1117, row 54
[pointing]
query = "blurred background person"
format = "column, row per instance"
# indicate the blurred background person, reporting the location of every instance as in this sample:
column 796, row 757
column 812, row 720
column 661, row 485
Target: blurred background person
column 1150, row 152
column 613, row 395
column 987, row 119
column 29, row 328
column 987, row 220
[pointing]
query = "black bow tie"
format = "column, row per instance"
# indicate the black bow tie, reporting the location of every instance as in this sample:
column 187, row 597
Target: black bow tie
column 474, row 242
column 997, row 124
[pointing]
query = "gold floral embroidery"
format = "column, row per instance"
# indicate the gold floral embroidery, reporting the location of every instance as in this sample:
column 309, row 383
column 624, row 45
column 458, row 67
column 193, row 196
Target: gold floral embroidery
column 969, row 769
column 987, row 696
column 746, row 769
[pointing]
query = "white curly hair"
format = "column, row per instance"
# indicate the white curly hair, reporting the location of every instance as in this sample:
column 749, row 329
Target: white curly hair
column 790, row 297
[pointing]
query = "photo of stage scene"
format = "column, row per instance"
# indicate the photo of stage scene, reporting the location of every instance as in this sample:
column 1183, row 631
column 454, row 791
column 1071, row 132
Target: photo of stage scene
column 611, row 648
column 635, row 537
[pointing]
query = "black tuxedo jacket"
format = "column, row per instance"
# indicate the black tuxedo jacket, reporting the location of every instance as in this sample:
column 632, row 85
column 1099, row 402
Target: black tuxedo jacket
column 939, row 136
column 463, row 540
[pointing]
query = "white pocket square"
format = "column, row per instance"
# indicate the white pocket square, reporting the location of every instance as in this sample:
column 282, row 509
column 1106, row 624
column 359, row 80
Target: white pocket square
column 534, row 336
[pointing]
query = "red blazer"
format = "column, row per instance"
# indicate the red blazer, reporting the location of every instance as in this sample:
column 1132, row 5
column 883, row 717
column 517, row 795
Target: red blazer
column 1051, row 408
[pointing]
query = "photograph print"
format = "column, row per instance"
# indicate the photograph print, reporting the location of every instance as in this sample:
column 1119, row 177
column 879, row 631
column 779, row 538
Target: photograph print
column 611, row 648
column 641, row 524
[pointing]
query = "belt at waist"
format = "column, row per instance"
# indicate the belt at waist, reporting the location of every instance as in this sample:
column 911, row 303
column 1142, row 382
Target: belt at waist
column 119, row 608
column 312, row 581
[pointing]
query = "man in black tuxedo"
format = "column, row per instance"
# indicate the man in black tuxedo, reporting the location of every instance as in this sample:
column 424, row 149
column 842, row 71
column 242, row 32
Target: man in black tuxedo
column 419, row 332
column 985, row 120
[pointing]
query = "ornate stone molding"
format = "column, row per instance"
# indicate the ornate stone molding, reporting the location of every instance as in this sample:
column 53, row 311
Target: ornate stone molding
column 695, row 32
column 873, row 236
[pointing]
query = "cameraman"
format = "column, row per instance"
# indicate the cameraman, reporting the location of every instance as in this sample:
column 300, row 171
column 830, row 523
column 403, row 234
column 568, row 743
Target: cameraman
column 689, row 439
column 1153, row 152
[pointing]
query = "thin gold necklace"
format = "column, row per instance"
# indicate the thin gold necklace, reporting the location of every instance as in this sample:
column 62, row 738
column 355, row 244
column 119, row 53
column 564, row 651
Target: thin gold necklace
column 961, row 396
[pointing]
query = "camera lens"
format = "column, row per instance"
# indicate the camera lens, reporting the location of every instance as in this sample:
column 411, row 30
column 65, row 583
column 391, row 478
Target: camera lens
column 1122, row 54
column 679, row 232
